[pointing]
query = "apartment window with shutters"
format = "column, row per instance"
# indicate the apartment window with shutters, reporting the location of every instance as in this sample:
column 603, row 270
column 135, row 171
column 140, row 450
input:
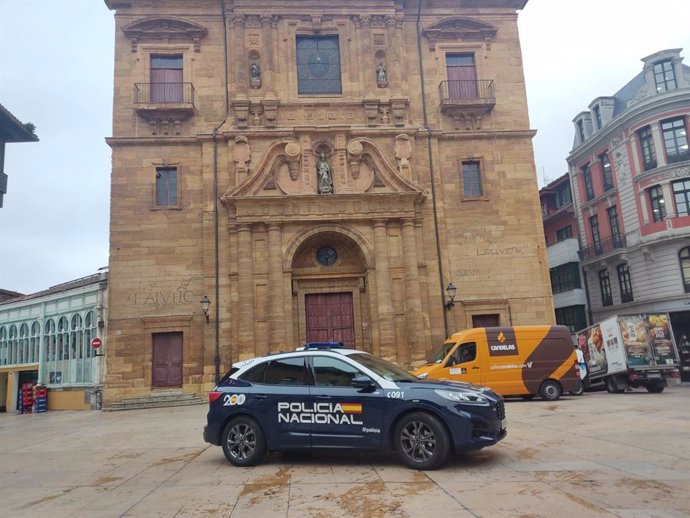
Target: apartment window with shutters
column 675, row 140
column 596, row 236
column 605, row 287
column 589, row 186
column 166, row 79
column 613, row 225
column 647, row 146
column 625, row 283
column 606, row 172
column 166, row 187
column 318, row 65
column 471, row 180
column 656, row 200
column 681, row 194
column 462, row 76
column 597, row 116
column 664, row 76
column 563, row 196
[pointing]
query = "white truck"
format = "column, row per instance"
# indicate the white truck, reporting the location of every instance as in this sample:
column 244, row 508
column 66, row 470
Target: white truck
column 630, row 351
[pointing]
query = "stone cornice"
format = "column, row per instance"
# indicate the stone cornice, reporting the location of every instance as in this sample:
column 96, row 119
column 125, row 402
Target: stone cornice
column 321, row 208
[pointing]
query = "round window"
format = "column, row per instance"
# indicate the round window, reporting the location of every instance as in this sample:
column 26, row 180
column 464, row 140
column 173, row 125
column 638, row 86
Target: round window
column 326, row 255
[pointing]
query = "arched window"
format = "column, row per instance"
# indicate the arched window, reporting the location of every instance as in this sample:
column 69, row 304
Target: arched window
column 35, row 341
column 23, row 344
column 684, row 257
column 63, row 339
column 50, row 340
column 13, row 345
column 89, row 332
column 76, row 338
column 3, row 345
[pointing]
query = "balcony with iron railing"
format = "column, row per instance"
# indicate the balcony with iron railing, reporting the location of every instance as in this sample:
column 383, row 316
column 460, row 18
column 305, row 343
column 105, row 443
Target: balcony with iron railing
column 474, row 96
column 603, row 247
column 158, row 100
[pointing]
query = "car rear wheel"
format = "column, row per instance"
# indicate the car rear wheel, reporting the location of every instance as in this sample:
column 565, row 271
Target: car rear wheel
column 612, row 387
column 421, row 441
column 243, row 442
column 550, row 390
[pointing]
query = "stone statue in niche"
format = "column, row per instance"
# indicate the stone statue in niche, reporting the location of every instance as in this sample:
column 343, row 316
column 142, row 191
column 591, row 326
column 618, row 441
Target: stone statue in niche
column 325, row 180
column 255, row 75
column 381, row 76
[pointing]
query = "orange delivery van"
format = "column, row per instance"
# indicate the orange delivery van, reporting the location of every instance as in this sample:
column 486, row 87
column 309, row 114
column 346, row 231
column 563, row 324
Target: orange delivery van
column 513, row 361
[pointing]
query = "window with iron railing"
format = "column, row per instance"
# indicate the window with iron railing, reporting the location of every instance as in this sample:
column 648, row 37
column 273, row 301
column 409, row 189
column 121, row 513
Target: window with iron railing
column 605, row 287
column 606, row 172
column 596, row 235
column 589, row 186
column 656, row 200
column 612, row 213
column 625, row 283
column 647, row 146
column 681, row 195
column 675, row 140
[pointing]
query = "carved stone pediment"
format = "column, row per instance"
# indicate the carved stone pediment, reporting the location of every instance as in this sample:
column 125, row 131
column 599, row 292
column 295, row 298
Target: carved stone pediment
column 167, row 30
column 453, row 29
column 289, row 168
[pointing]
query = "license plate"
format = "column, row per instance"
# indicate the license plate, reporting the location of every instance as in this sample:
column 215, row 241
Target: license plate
column 654, row 375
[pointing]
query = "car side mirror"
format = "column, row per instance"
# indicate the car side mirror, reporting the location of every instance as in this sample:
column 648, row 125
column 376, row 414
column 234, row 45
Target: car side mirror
column 363, row 383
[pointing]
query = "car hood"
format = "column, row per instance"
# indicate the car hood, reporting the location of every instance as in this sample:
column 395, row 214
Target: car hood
column 451, row 385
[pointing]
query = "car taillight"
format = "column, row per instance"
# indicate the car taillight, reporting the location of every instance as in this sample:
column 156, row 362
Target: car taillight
column 633, row 376
column 675, row 374
column 212, row 396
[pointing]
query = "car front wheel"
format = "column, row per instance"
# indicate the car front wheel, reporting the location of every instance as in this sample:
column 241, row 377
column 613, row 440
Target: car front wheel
column 243, row 442
column 421, row 440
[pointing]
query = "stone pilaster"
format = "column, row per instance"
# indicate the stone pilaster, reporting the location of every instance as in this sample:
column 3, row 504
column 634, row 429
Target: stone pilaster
column 275, row 281
column 383, row 289
column 411, row 349
column 245, row 264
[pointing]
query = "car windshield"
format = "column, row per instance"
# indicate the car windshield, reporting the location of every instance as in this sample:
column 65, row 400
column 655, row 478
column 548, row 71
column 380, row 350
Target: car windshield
column 441, row 353
column 383, row 368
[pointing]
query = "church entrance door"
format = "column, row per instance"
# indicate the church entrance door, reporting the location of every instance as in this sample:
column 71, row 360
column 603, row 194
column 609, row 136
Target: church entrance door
column 330, row 318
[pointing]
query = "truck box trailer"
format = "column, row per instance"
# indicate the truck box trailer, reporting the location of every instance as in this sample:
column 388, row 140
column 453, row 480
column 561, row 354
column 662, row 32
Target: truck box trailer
column 630, row 351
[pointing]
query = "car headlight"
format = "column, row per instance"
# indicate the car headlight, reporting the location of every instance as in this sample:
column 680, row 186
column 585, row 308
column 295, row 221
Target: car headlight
column 466, row 398
column 423, row 375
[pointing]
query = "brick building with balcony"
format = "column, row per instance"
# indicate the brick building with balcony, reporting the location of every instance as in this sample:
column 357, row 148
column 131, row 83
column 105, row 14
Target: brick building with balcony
column 317, row 171
column 562, row 251
column 630, row 172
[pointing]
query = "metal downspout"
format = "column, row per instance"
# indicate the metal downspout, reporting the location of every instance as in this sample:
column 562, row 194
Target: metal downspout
column 216, row 225
column 431, row 168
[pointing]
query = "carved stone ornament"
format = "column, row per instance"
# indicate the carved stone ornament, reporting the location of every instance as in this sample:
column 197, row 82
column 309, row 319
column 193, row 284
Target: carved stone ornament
column 241, row 108
column 167, row 30
column 354, row 152
column 242, row 154
column 454, row 29
column 403, row 152
column 293, row 153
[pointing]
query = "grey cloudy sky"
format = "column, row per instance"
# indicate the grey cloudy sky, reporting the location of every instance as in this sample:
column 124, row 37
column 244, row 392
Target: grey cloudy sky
column 56, row 64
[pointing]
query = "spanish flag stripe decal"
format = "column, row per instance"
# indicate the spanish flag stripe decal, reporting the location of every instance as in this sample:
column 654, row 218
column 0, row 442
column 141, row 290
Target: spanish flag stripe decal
column 352, row 408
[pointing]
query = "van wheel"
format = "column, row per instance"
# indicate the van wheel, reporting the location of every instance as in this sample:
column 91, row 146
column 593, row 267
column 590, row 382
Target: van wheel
column 550, row 390
column 579, row 389
column 421, row 441
column 243, row 442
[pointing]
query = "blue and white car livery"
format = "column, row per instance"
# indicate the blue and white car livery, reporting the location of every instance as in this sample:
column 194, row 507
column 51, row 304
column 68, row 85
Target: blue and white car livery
column 345, row 398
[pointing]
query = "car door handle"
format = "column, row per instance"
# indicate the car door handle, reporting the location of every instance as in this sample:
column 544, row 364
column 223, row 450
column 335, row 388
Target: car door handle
column 324, row 397
column 260, row 396
column 475, row 367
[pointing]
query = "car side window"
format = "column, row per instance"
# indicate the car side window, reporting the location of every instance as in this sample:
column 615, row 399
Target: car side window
column 332, row 372
column 285, row 371
column 466, row 352
column 255, row 374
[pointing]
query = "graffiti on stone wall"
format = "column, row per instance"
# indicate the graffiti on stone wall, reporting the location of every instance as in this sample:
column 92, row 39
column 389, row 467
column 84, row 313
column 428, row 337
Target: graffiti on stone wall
column 510, row 250
column 489, row 233
column 156, row 297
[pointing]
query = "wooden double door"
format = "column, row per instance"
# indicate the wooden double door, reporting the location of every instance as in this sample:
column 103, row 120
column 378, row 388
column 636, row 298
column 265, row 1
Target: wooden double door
column 330, row 318
column 167, row 360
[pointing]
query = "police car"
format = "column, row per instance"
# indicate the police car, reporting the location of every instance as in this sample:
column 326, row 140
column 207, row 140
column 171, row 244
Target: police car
column 346, row 398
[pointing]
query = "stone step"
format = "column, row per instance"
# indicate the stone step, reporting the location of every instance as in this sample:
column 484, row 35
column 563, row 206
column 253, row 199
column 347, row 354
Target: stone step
column 157, row 400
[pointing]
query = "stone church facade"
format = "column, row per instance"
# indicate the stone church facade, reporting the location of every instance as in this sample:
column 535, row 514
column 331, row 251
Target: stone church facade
column 294, row 163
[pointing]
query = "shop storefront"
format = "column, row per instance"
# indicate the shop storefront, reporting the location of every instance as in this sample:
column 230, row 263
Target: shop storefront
column 46, row 340
column 680, row 323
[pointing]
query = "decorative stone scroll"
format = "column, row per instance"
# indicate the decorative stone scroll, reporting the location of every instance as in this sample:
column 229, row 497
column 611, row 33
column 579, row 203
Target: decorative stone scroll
column 242, row 155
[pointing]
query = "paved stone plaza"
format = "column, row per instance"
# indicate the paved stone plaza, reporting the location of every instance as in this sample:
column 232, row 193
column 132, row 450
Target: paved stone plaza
column 599, row 455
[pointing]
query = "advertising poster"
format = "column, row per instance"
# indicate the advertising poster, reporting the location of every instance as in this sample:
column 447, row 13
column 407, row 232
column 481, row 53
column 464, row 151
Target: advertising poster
column 660, row 336
column 635, row 340
column 596, row 354
column 613, row 346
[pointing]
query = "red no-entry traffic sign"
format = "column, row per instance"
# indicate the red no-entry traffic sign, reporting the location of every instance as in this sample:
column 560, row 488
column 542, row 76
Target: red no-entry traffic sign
column 96, row 343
